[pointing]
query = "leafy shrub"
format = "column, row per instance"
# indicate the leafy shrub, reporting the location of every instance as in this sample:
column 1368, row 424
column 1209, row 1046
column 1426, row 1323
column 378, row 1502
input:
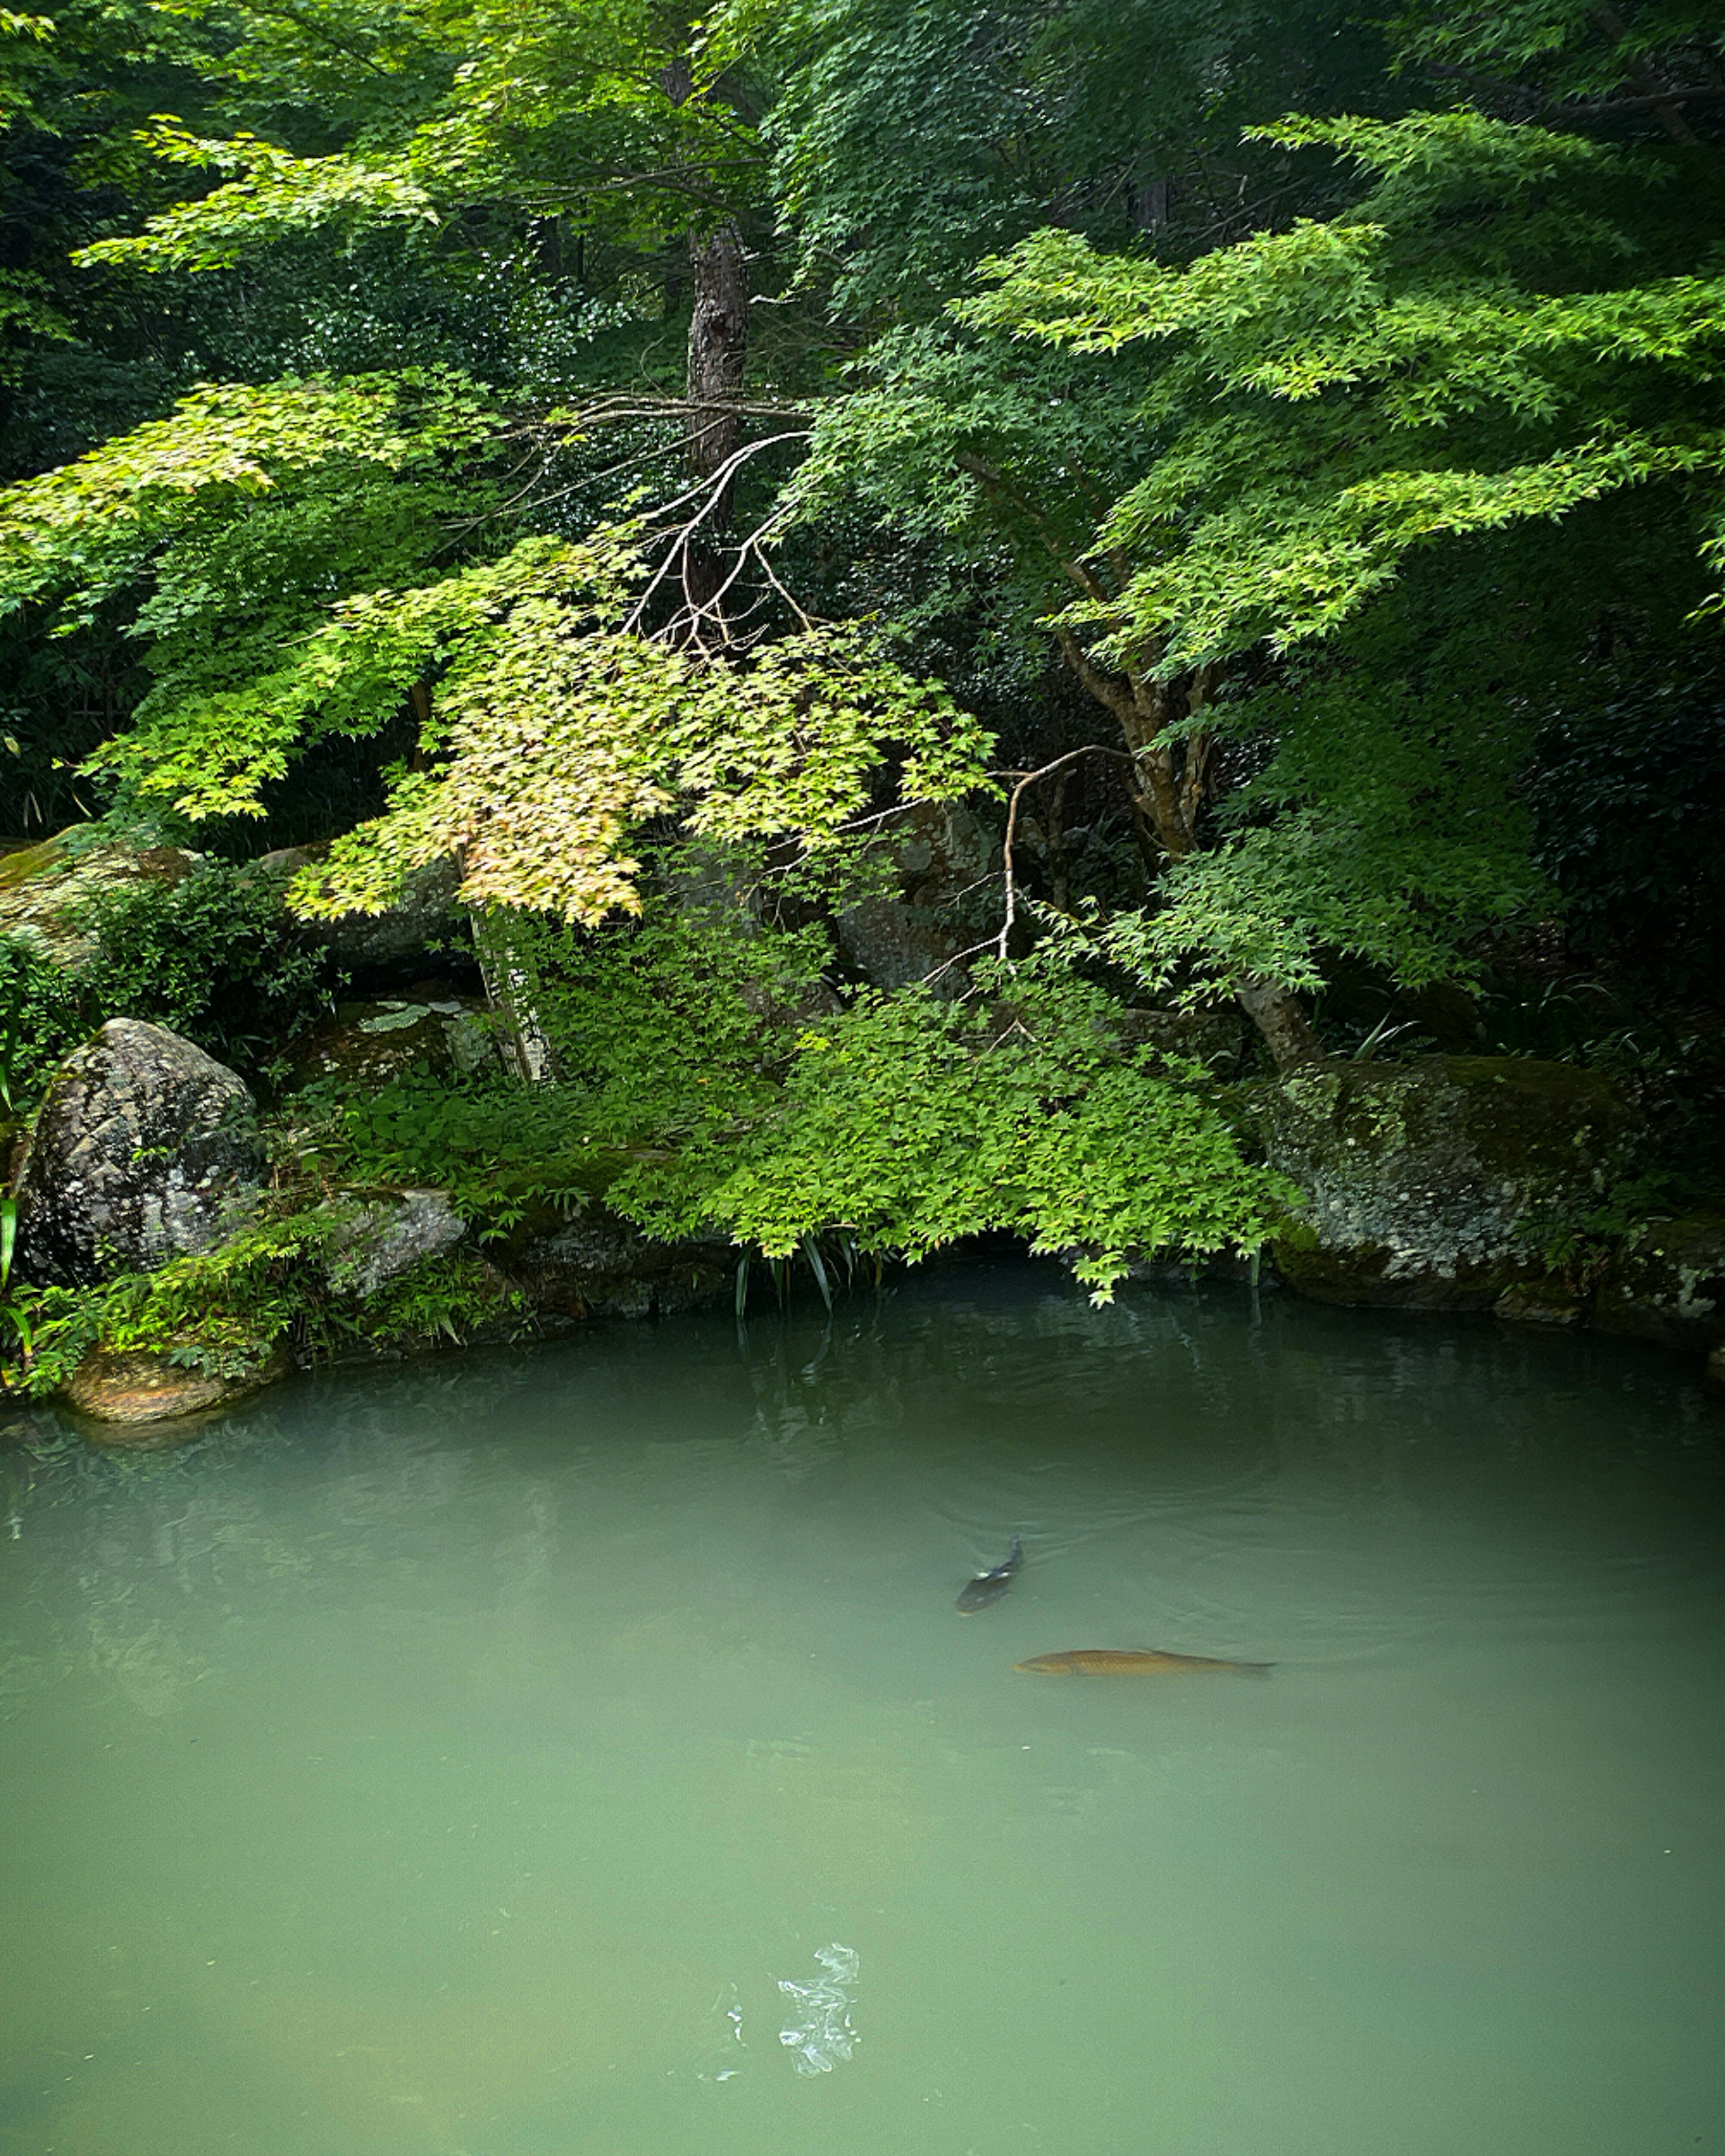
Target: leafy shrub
column 44, row 1016
column 442, row 1299
column 684, row 1019
column 218, row 1310
column 500, row 1149
column 214, row 957
column 223, row 1310
column 907, row 1123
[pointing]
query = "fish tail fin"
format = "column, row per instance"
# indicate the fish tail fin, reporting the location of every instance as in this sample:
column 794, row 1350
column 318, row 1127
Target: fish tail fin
column 1254, row 1669
column 1015, row 1555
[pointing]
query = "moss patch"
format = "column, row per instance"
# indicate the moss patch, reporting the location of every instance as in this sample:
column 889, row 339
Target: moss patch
column 1666, row 1282
column 1426, row 1181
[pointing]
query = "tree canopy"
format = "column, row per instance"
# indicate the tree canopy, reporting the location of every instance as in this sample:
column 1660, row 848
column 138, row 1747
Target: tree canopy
column 561, row 438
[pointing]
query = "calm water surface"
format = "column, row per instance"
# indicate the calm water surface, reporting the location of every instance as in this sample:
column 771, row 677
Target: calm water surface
column 460, row 1760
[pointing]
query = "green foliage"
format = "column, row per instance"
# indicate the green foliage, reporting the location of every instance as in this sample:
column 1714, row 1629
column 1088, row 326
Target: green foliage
column 1340, row 394
column 220, row 1310
column 214, row 957
column 1218, row 431
column 683, row 1023
column 1600, row 62
column 676, row 1027
column 907, row 1123
column 90, row 527
column 994, row 114
column 1628, row 800
column 1381, row 827
column 560, row 727
column 280, row 194
column 622, row 112
column 561, row 730
column 440, row 1299
column 44, row 1013
column 224, row 1310
column 501, row 1150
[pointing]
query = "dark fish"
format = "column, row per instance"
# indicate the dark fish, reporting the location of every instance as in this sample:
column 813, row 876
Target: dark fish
column 1137, row 1662
column 989, row 1586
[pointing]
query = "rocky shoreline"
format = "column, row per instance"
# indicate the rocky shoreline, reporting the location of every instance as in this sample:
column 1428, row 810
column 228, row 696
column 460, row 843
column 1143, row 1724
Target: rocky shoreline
column 1437, row 1184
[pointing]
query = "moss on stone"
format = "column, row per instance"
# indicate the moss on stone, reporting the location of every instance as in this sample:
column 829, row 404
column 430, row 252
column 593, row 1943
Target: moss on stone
column 1666, row 1281
column 1428, row 1182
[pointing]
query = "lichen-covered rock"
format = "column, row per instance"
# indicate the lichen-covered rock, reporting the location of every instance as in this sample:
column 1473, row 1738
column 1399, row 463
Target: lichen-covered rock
column 144, row 1149
column 390, row 1234
column 1667, row 1282
column 44, row 888
column 599, row 1265
column 366, row 1045
column 1426, row 1181
column 131, row 1393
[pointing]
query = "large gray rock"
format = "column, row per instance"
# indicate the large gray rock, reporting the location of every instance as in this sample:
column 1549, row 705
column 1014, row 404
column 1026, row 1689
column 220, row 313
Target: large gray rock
column 943, row 898
column 1431, row 1183
column 143, row 1149
column 408, row 933
column 600, row 1265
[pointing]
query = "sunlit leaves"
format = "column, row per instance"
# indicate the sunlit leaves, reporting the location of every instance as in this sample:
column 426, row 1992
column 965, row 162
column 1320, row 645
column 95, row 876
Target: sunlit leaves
column 908, row 1123
column 278, row 195
column 557, row 737
column 1335, row 395
column 92, row 521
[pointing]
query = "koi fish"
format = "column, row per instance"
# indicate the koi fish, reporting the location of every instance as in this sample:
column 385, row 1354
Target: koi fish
column 1137, row 1662
column 989, row 1586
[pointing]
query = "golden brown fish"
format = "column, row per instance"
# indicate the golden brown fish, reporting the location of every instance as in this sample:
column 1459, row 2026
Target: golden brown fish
column 1138, row 1662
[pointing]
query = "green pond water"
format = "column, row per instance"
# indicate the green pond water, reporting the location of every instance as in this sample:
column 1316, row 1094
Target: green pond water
column 503, row 1755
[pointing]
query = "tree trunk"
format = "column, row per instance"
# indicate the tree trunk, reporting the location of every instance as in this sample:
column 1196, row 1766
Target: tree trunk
column 1169, row 781
column 718, row 347
column 1276, row 1013
column 509, row 990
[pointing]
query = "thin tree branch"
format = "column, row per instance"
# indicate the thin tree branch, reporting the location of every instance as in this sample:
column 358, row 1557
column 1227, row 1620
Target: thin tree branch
column 1028, row 779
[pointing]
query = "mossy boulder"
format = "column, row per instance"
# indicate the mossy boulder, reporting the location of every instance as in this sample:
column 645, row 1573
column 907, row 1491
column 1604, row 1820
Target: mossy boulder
column 1667, row 1282
column 937, row 906
column 366, row 1045
column 1544, row 1303
column 1428, row 1181
column 600, row 1265
column 389, row 1236
column 395, row 943
column 144, row 1149
column 45, row 889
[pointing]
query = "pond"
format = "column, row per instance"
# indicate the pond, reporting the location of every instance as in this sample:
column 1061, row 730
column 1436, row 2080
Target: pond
column 576, row 1751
